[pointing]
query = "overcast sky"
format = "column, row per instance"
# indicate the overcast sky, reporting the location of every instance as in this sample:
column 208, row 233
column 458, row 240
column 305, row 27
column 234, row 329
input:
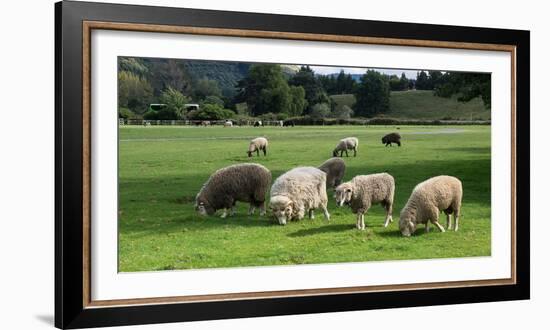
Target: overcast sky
column 335, row 69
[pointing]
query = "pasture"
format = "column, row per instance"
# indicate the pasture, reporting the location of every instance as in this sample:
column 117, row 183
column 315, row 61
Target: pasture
column 161, row 169
column 419, row 104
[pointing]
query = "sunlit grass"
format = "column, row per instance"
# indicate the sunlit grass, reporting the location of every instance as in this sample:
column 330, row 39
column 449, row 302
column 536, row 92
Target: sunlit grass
column 161, row 170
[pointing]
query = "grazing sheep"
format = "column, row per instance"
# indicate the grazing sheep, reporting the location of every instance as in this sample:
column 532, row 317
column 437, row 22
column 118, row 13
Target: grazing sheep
column 205, row 123
column 256, row 145
column 258, row 123
column 428, row 199
column 242, row 182
column 392, row 138
column 298, row 191
column 228, row 123
column 363, row 191
column 350, row 143
column 335, row 169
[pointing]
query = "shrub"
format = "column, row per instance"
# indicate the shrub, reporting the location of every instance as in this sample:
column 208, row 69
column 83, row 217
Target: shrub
column 211, row 112
column 175, row 102
column 125, row 113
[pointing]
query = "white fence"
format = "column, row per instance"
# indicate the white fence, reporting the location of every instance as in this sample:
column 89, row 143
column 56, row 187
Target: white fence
column 143, row 122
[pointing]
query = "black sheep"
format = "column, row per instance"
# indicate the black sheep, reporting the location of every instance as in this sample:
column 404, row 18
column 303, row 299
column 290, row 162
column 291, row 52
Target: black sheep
column 392, row 138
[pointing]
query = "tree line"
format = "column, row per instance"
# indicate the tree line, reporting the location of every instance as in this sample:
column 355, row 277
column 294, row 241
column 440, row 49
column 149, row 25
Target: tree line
column 269, row 92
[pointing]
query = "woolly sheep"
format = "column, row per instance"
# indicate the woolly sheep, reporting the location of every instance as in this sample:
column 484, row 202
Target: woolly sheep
column 256, row 145
column 392, row 138
column 428, row 199
column 298, row 191
column 335, row 169
column 228, row 123
column 242, row 182
column 350, row 143
column 363, row 191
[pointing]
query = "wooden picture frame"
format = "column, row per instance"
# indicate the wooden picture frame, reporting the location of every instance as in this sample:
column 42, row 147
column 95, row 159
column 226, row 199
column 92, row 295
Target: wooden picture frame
column 74, row 307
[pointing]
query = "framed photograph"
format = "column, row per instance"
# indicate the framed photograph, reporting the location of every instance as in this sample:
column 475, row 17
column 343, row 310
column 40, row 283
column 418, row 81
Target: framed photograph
column 218, row 164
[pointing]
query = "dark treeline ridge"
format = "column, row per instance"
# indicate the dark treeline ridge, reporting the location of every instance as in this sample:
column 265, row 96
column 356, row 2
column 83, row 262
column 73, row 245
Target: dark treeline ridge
column 225, row 90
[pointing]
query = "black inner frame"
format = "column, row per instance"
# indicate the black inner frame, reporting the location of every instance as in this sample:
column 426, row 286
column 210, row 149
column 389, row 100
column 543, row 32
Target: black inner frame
column 69, row 307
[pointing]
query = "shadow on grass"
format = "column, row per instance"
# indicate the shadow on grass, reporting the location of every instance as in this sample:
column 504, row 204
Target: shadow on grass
column 322, row 230
column 468, row 150
column 161, row 219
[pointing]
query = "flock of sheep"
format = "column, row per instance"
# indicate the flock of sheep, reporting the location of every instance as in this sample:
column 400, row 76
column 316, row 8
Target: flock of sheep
column 302, row 190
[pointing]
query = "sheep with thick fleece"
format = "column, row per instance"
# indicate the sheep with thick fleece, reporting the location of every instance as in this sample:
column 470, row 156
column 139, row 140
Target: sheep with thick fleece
column 350, row 143
column 388, row 139
column 236, row 183
column 335, row 168
column 428, row 199
column 363, row 191
column 257, row 144
column 300, row 190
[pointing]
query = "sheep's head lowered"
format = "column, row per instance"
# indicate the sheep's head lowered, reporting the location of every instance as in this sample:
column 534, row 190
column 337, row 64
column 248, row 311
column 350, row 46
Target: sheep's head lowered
column 282, row 208
column 343, row 194
column 203, row 207
column 407, row 223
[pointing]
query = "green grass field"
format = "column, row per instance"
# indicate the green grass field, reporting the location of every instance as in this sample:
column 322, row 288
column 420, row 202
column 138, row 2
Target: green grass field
column 161, row 170
column 417, row 104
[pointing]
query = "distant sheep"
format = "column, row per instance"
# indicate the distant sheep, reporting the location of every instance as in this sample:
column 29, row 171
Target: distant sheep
column 363, row 191
column 300, row 190
column 228, row 123
column 256, row 145
column 350, row 143
column 205, row 123
column 428, row 199
column 392, row 138
column 335, row 169
column 258, row 123
column 236, row 183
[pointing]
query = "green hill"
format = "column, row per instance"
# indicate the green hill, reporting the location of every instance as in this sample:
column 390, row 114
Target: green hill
column 416, row 104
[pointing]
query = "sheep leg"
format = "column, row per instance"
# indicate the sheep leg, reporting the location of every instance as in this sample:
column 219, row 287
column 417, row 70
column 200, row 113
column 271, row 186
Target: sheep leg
column 354, row 152
column 251, row 209
column 389, row 209
column 311, row 214
column 258, row 152
column 388, row 220
column 325, row 212
column 358, row 224
column 224, row 214
column 439, row 226
column 265, row 151
column 449, row 221
column 362, row 222
column 427, row 228
column 456, row 216
column 347, row 155
column 233, row 210
column 262, row 209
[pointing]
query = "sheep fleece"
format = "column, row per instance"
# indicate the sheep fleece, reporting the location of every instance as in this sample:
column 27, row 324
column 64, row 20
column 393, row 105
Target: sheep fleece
column 428, row 198
column 304, row 186
column 257, row 144
column 371, row 189
column 335, row 168
column 243, row 182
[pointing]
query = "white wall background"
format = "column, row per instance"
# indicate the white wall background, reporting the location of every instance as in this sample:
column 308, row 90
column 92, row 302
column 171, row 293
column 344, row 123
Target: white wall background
column 27, row 169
